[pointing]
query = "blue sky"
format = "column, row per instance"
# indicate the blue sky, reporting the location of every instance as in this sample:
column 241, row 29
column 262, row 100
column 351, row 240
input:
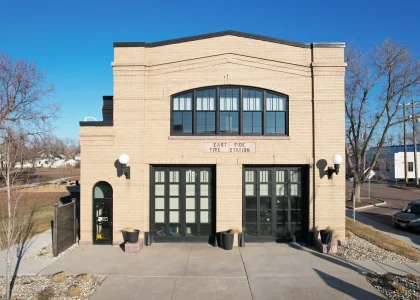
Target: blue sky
column 72, row 40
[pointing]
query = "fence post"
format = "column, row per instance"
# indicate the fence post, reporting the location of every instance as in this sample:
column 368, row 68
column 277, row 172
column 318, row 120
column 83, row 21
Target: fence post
column 55, row 249
column 74, row 218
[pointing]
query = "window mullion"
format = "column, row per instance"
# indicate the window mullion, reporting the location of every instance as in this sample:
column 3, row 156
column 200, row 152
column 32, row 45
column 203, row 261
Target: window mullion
column 194, row 113
column 263, row 113
column 217, row 111
column 240, row 117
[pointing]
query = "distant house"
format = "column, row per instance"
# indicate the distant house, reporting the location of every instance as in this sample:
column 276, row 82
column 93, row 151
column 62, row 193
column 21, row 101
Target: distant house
column 70, row 163
column 25, row 165
column 59, row 163
column 77, row 157
column 390, row 163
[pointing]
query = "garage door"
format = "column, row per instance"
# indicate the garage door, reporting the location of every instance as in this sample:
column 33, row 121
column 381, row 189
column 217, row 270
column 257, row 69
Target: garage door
column 275, row 203
column 182, row 202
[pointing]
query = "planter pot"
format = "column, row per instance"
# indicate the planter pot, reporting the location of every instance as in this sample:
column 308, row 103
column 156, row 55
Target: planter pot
column 133, row 237
column 125, row 237
column 219, row 239
column 228, row 241
column 241, row 239
column 326, row 236
column 148, row 238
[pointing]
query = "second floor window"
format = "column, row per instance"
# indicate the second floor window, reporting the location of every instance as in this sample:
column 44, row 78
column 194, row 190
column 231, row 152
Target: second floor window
column 229, row 110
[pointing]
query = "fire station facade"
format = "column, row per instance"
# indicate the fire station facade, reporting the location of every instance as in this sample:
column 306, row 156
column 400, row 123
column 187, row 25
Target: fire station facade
column 220, row 131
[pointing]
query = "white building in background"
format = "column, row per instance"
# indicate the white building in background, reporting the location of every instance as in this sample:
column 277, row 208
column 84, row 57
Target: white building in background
column 25, row 165
column 411, row 168
column 71, row 162
column 390, row 163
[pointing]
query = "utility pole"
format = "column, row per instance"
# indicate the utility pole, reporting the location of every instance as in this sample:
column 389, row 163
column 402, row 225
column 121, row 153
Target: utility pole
column 405, row 148
column 415, row 144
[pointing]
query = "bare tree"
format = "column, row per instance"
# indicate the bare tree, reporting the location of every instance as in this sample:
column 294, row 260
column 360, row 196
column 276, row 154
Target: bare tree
column 24, row 112
column 376, row 85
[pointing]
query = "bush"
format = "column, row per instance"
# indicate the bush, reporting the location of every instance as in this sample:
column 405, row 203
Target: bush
column 46, row 294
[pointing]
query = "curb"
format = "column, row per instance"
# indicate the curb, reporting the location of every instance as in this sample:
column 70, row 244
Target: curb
column 367, row 206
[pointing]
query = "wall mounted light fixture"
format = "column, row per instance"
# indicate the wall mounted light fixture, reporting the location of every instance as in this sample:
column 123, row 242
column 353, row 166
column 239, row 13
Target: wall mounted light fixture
column 123, row 159
column 337, row 159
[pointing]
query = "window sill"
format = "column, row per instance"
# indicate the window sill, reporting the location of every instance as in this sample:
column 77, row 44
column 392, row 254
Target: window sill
column 228, row 137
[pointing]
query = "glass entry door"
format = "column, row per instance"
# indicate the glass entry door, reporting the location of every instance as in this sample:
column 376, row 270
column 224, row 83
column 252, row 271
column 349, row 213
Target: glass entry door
column 102, row 213
column 103, row 221
column 275, row 204
column 182, row 204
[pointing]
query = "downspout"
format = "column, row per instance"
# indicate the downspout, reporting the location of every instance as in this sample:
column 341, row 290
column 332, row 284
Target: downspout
column 313, row 138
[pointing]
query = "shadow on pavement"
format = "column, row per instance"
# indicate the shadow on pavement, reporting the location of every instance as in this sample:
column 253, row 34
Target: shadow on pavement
column 328, row 258
column 345, row 287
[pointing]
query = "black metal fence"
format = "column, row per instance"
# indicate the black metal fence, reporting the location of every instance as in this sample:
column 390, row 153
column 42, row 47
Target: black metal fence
column 64, row 227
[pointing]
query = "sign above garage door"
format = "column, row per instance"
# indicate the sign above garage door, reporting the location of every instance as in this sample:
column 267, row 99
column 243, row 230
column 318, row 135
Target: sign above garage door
column 229, row 147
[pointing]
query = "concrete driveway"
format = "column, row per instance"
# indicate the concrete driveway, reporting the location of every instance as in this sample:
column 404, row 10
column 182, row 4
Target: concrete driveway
column 198, row 271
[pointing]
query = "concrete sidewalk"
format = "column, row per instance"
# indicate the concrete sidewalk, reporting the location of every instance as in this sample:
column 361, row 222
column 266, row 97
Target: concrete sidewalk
column 199, row 271
column 21, row 263
column 375, row 267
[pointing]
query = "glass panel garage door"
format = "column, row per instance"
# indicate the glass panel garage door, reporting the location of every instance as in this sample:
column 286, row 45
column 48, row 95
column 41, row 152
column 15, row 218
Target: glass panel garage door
column 273, row 207
column 181, row 204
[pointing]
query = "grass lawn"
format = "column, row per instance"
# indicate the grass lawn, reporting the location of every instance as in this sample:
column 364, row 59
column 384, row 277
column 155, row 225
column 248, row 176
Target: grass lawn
column 363, row 202
column 382, row 240
column 40, row 201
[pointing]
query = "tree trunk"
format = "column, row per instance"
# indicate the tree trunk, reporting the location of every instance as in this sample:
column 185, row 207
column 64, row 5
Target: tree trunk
column 356, row 190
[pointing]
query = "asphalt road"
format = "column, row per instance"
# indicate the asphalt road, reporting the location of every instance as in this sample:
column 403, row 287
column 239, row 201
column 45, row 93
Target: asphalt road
column 381, row 217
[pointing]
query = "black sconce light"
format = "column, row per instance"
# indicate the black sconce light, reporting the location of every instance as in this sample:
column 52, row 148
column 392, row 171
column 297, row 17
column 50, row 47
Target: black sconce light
column 123, row 159
column 337, row 159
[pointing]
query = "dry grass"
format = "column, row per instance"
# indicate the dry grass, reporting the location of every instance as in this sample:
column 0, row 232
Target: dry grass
column 39, row 204
column 382, row 240
column 389, row 277
column 74, row 291
column 46, row 294
column 83, row 277
column 58, row 277
column 412, row 277
column 399, row 288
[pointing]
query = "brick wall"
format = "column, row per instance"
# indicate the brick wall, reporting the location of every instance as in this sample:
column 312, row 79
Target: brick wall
column 145, row 79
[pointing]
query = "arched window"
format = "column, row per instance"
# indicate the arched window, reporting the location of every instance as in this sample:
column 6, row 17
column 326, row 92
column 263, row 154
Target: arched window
column 102, row 190
column 229, row 110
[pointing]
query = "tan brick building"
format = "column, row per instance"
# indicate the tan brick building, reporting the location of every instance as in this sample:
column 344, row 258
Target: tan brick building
column 223, row 130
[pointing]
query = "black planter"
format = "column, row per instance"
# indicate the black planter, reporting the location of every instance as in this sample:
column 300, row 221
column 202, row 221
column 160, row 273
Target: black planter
column 125, row 237
column 228, row 241
column 148, row 238
column 326, row 236
column 219, row 239
column 133, row 237
column 241, row 239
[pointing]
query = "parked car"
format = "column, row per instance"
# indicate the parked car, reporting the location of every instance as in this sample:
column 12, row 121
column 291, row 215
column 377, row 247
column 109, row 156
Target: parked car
column 408, row 217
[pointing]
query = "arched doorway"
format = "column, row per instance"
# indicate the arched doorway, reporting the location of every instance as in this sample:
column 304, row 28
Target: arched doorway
column 102, row 213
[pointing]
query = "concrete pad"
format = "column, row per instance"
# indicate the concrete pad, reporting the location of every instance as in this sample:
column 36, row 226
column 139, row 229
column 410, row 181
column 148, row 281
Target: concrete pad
column 145, row 288
column 319, row 287
column 415, row 267
column 278, row 262
column 27, row 266
column 367, row 266
column 108, row 260
column 398, row 268
column 30, row 246
column 211, row 288
column 222, row 263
